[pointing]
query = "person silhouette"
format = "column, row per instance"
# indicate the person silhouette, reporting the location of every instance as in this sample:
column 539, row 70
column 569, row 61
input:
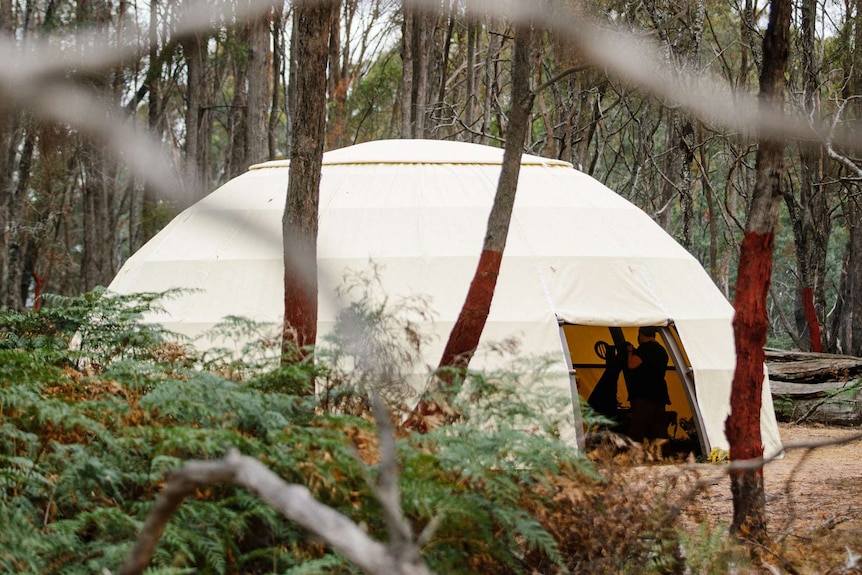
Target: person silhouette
column 648, row 393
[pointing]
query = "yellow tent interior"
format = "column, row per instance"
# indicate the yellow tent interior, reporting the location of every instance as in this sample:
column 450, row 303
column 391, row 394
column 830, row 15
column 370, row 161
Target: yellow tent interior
column 586, row 349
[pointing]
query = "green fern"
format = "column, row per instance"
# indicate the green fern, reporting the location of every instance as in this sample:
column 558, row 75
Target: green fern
column 85, row 446
column 22, row 543
column 329, row 563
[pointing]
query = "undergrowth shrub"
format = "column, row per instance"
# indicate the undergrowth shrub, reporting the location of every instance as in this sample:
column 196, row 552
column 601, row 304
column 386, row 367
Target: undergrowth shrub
column 85, row 445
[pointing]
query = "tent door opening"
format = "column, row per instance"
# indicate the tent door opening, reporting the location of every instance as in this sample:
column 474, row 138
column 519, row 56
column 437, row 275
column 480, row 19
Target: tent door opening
column 595, row 355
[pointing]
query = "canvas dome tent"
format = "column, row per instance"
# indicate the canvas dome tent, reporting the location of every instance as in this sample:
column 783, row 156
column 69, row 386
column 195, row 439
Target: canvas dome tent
column 581, row 265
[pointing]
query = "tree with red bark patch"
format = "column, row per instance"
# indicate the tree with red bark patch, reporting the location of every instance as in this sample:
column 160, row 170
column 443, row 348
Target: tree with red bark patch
column 464, row 338
column 754, row 275
column 299, row 224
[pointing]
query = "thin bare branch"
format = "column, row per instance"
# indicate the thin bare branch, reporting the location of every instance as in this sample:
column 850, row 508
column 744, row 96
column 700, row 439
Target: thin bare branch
column 294, row 501
column 638, row 61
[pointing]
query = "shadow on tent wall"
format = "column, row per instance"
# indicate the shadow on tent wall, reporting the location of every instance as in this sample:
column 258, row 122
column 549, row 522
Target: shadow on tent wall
column 589, row 348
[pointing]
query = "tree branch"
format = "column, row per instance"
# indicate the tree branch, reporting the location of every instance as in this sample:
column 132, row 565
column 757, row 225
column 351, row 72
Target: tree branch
column 294, row 501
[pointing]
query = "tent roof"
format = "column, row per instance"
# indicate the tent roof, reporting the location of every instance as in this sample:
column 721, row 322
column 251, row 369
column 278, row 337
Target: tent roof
column 419, row 152
column 576, row 253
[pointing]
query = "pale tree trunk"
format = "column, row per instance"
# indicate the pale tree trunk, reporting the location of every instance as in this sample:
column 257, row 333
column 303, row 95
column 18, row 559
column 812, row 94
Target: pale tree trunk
column 19, row 240
column 423, row 25
column 194, row 52
column 338, row 81
column 299, row 225
column 492, row 86
column 810, row 215
column 670, row 165
column 8, row 144
column 688, row 133
column 850, row 317
column 471, row 98
column 853, row 291
column 144, row 227
column 750, row 57
column 407, row 73
column 464, row 337
column 257, row 100
column 275, row 93
column 450, row 17
column 750, row 322
column 235, row 154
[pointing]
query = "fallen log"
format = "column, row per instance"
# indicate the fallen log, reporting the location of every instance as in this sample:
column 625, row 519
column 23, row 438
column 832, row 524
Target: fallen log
column 831, row 403
column 815, row 387
column 778, row 355
column 801, row 367
column 797, row 391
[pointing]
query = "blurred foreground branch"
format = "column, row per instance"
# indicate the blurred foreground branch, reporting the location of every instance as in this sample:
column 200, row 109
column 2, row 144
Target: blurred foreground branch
column 401, row 557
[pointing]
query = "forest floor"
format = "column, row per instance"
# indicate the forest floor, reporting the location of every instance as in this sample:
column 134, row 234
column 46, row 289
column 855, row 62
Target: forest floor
column 813, row 500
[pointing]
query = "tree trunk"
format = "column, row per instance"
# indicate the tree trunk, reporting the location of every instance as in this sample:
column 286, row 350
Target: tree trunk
column 407, row 73
column 143, row 223
column 275, row 93
column 194, row 52
column 492, row 86
column 299, row 225
column 471, row 98
column 465, row 335
column 754, row 275
column 423, row 23
column 853, row 287
column 810, row 217
column 471, row 321
column 338, row 82
column 237, row 129
column 18, row 238
column 852, row 284
column 97, row 264
column 8, row 145
column 257, row 99
column 447, row 46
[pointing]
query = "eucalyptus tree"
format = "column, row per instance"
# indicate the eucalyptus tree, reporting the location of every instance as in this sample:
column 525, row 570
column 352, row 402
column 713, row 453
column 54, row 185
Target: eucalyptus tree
column 755, row 270
column 846, row 323
column 810, row 210
column 299, row 224
column 467, row 329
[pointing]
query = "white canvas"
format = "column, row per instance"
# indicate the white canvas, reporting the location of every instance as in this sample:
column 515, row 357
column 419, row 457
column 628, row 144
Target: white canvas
column 576, row 253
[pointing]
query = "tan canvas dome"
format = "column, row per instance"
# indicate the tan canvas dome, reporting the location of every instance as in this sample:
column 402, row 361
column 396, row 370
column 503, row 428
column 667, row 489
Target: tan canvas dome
column 577, row 255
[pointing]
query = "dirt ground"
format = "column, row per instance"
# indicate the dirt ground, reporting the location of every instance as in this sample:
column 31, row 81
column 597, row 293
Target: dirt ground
column 808, row 488
column 813, row 499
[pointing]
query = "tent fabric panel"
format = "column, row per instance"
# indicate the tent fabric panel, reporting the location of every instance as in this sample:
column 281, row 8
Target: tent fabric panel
column 710, row 348
column 709, row 342
column 243, row 284
column 713, row 395
column 695, row 297
column 566, row 229
column 222, row 235
column 604, row 291
column 416, row 233
column 769, row 434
